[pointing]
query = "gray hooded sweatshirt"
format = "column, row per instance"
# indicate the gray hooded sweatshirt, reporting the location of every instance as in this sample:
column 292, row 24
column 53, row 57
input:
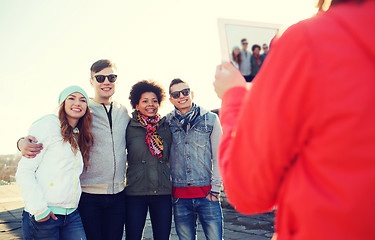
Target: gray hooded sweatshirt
column 106, row 173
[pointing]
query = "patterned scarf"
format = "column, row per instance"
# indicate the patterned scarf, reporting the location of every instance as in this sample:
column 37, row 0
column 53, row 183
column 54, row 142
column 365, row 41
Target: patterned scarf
column 153, row 139
column 257, row 59
column 189, row 118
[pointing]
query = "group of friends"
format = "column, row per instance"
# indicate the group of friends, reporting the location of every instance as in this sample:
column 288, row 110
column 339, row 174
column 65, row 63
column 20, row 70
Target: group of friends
column 248, row 63
column 93, row 168
column 300, row 139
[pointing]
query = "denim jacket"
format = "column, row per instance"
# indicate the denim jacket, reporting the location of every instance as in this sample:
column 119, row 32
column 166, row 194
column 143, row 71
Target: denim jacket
column 193, row 156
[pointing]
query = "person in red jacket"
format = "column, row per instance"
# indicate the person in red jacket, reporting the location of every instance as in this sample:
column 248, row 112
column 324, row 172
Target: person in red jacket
column 302, row 138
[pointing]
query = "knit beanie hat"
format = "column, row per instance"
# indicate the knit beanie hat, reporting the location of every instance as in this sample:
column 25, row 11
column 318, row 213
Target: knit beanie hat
column 69, row 90
column 235, row 47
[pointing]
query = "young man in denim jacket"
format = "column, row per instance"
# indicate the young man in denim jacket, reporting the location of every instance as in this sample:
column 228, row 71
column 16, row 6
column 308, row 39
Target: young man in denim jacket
column 194, row 167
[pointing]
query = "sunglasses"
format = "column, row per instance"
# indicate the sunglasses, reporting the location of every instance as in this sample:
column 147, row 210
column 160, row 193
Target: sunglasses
column 111, row 78
column 184, row 92
column 245, row 43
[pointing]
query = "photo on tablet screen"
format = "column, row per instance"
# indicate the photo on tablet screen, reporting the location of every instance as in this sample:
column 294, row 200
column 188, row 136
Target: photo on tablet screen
column 232, row 31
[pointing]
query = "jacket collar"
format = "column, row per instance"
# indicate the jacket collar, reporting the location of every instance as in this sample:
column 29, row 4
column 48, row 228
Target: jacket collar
column 171, row 115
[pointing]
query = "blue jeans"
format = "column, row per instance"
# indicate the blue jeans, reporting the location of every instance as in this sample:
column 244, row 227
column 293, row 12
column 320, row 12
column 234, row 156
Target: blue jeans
column 103, row 215
column 186, row 211
column 160, row 208
column 66, row 227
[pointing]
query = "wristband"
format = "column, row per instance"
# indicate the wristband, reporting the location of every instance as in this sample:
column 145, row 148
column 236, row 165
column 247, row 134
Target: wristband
column 215, row 194
column 18, row 142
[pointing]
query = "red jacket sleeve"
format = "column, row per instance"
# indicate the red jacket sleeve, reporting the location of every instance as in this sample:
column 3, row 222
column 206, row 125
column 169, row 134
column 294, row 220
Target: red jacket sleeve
column 262, row 130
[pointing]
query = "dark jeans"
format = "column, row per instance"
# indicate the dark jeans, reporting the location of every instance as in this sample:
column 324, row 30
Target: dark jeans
column 251, row 78
column 248, row 78
column 103, row 215
column 66, row 227
column 160, row 208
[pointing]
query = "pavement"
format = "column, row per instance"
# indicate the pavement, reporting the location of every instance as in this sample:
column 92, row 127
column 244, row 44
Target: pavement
column 236, row 225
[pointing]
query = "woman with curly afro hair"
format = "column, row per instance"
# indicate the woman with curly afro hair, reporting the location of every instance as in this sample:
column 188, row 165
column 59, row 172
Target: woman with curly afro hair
column 148, row 185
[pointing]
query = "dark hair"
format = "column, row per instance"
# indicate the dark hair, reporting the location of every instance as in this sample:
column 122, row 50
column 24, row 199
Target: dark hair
column 255, row 46
column 85, row 138
column 243, row 40
column 334, row 2
column 100, row 65
column 175, row 81
column 146, row 86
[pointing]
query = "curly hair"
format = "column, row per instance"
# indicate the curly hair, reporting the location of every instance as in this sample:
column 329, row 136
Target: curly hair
column 255, row 46
column 145, row 86
column 85, row 138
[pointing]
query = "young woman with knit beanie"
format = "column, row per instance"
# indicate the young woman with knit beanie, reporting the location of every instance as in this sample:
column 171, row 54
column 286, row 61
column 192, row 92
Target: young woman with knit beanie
column 49, row 183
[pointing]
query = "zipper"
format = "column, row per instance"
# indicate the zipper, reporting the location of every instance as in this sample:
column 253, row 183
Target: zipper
column 109, row 115
column 114, row 163
column 75, row 173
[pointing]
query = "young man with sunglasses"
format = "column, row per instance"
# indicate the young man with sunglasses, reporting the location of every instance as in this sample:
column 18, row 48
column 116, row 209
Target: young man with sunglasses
column 196, row 182
column 245, row 67
column 265, row 52
column 102, row 203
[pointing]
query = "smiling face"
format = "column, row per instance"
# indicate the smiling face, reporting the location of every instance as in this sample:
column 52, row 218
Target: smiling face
column 256, row 51
column 105, row 90
column 236, row 51
column 265, row 48
column 75, row 108
column 182, row 103
column 148, row 104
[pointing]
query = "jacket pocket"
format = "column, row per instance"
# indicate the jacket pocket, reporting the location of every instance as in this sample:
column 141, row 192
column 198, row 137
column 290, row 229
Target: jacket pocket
column 135, row 178
column 166, row 179
column 176, row 134
column 202, row 136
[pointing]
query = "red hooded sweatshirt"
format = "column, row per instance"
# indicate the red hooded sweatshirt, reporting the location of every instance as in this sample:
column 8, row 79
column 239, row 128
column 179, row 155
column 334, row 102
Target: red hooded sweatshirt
column 302, row 139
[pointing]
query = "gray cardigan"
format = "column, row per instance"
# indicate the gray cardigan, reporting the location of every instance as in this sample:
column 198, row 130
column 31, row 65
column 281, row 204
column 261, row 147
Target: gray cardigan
column 106, row 173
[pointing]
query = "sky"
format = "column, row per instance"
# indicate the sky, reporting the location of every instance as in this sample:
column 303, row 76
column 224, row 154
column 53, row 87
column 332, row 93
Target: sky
column 47, row 45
